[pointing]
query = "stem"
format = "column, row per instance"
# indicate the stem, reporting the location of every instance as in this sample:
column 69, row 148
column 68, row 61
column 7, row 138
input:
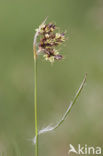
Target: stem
column 35, row 87
column 35, row 102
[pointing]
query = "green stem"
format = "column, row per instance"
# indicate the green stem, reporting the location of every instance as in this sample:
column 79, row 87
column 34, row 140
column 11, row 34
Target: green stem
column 35, row 106
column 35, row 87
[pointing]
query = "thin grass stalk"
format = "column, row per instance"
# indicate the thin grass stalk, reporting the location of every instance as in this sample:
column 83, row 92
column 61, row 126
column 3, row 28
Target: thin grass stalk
column 35, row 101
column 35, row 88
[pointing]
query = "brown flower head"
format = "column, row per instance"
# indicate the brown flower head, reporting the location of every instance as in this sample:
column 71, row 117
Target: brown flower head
column 49, row 41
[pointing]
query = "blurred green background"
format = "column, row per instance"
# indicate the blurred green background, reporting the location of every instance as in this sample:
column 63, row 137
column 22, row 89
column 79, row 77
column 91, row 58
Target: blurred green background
column 57, row 83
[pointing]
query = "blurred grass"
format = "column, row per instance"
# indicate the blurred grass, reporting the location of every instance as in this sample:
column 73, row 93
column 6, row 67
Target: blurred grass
column 56, row 84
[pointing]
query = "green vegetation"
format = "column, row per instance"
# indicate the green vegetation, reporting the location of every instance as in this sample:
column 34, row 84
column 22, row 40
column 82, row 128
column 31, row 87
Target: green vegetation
column 83, row 52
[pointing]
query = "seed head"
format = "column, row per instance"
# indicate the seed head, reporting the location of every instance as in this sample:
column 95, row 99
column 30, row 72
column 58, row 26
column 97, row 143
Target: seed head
column 49, row 41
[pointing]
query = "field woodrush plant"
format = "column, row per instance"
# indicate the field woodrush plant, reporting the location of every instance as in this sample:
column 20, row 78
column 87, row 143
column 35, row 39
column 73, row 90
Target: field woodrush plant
column 47, row 46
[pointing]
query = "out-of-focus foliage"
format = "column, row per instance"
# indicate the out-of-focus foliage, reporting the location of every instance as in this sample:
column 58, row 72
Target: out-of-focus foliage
column 57, row 83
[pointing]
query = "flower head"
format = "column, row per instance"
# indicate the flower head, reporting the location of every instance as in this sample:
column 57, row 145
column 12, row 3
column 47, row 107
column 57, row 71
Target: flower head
column 49, row 41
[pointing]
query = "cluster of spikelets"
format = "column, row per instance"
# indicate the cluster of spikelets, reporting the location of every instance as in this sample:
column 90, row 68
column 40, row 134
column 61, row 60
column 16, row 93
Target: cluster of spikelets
column 49, row 42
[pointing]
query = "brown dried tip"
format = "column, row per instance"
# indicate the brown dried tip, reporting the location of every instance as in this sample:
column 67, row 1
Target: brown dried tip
column 49, row 41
